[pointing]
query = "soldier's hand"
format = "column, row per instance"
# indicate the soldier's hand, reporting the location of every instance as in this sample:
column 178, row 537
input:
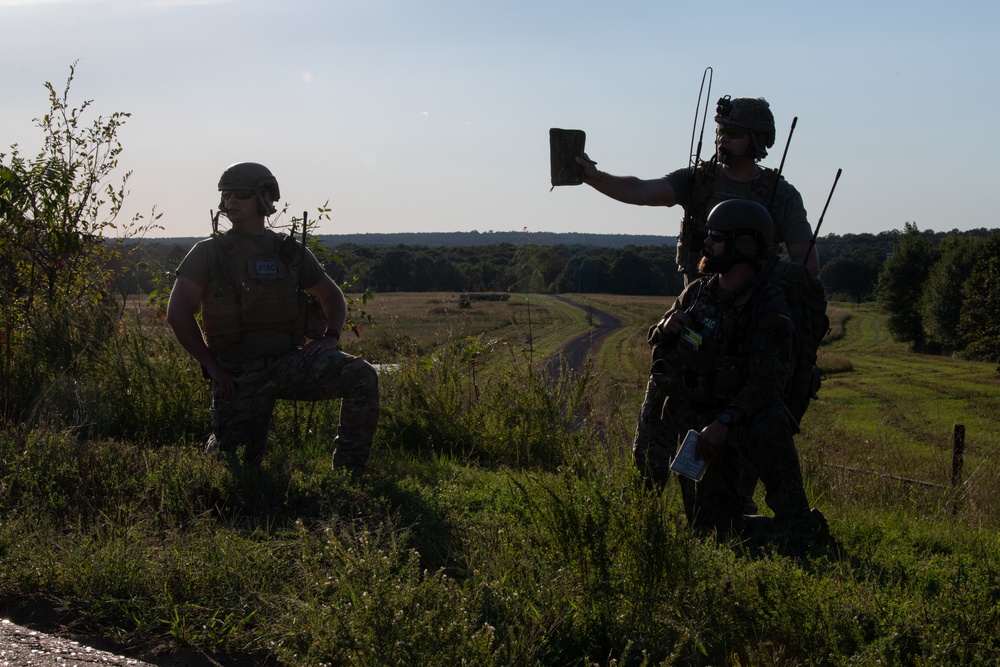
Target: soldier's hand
column 711, row 442
column 222, row 379
column 320, row 345
column 675, row 323
column 590, row 172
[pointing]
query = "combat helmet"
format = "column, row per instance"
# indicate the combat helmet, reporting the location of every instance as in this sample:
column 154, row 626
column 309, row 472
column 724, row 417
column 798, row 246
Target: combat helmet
column 752, row 114
column 252, row 176
column 748, row 227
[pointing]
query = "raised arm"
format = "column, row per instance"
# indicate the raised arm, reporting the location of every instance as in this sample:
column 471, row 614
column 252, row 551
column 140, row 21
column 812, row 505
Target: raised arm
column 628, row 189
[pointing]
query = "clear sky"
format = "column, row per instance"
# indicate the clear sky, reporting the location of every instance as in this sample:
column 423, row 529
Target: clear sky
column 433, row 115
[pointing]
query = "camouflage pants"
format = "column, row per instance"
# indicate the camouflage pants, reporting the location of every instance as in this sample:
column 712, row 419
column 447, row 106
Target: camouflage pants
column 244, row 419
column 717, row 502
column 655, row 440
column 657, row 435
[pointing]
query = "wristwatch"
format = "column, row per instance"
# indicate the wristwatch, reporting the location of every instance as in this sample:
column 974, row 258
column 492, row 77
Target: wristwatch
column 726, row 419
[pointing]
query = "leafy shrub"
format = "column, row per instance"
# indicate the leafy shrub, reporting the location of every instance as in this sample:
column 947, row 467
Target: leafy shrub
column 56, row 264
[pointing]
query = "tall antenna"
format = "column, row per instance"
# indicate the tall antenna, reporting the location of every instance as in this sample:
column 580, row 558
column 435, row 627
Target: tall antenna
column 819, row 223
column 694, row 156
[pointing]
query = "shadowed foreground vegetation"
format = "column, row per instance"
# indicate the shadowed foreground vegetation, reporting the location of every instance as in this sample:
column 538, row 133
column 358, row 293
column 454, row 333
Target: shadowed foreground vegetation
column 500, row 522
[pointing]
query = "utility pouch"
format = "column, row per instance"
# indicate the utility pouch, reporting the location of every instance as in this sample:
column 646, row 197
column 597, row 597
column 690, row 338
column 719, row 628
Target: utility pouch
column 564, row 147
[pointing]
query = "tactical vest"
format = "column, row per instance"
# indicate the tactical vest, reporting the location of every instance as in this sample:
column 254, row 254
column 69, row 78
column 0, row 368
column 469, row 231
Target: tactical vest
column 705, row 364
column 250, row 291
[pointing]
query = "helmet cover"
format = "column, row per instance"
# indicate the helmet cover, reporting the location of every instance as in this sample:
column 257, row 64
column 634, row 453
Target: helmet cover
column 252, row 176
column 752, row 114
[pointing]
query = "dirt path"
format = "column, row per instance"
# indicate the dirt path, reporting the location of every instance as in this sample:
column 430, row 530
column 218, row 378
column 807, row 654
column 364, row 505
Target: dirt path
column 21, row 646
column 576, row 351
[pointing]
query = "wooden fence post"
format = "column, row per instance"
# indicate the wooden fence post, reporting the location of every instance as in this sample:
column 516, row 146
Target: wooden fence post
column 957, row 460
column 957, row 454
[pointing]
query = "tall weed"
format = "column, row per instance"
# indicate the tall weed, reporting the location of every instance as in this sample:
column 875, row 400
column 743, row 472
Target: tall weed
column 143, row 387
column 506, row 415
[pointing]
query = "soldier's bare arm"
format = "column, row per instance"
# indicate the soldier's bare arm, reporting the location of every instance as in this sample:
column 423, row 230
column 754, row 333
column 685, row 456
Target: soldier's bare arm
column 331, row 298
column 628, row 189
column 185, row 300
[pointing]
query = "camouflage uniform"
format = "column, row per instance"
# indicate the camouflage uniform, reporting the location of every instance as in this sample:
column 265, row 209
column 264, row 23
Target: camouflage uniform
column 244, row 419
column 264, row 359
column 743, row 361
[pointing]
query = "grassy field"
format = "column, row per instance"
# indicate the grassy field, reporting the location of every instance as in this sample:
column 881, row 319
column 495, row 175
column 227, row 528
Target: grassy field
column 416, row 323
column 501, row 522
column 893, row 413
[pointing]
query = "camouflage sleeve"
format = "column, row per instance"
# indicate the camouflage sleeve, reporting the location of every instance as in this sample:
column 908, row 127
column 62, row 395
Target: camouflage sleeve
column 770, row 347
column 791, row 223
column 682, row 302
column 664, row 360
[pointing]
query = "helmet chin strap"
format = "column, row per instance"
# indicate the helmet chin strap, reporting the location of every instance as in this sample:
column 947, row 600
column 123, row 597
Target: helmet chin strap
column 266, row 207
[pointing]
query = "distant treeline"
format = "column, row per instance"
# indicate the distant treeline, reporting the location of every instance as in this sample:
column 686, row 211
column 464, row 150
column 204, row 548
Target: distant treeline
column 648, row 270
column 941, row 295
column 851, row 263
column 476, row 238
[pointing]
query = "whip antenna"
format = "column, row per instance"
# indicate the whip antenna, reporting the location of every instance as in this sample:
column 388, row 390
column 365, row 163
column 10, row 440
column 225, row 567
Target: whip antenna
column 788, row 142
column 781, row 165
column 819, row 223
column 694, row 157
column 305, row 231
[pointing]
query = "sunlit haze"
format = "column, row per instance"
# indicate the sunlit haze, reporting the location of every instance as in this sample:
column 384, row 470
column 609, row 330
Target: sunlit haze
column 433, row 115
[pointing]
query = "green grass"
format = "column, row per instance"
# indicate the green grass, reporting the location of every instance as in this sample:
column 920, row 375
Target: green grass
column 501, row 522
column 894, row 413
column 418, row 323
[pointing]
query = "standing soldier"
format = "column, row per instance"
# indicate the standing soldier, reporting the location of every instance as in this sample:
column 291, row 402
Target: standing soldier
column 248, row 284
column 745, row 131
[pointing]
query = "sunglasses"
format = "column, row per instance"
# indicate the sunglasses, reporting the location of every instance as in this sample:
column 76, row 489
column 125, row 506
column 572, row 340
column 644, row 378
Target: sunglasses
column 239, row 194
column 732, row 132
column 717, row 236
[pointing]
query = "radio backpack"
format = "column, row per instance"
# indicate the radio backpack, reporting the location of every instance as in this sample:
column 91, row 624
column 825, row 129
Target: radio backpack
column 806, row 300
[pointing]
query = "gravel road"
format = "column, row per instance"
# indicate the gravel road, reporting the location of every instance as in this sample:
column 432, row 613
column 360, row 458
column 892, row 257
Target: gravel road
column 574, row 353
column 28, row 648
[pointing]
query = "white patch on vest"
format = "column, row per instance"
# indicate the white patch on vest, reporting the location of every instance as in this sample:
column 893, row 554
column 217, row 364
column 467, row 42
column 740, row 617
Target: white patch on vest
column 265, row 268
